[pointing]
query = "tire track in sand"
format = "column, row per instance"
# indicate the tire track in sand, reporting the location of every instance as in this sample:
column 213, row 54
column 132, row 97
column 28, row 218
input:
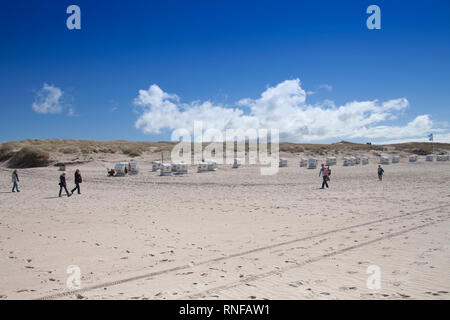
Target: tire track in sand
column 259, row 249
column 295, row 265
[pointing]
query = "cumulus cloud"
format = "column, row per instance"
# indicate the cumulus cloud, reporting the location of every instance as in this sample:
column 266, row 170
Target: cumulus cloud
column 282, row 107
column 48, row 100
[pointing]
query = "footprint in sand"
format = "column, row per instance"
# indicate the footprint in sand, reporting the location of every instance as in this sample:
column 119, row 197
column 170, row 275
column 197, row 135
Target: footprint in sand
column 347, row 288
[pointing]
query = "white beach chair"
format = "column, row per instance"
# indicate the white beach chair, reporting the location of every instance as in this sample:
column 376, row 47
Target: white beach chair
column 312, row 163
column 165, row 169
column 331, row 161
column 347, row 162
column 236, row 163
column 212, row 165
column 181, row 168
column 156, row 165
column 384, row 160
column 121, row 168
column 303, row 162
column 283, row 162
column 202, row 167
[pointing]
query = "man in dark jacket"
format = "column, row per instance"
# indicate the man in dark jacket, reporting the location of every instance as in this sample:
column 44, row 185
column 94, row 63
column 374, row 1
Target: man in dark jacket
column 380, row 172
column 62, row 184
column 78, row 180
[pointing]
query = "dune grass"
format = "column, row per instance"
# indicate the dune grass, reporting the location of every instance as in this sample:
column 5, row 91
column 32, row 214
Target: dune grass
column 35, row 152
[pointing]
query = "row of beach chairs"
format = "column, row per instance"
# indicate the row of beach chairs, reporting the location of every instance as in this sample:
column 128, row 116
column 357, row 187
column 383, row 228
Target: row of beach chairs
column 179, row 168
column 413, row 158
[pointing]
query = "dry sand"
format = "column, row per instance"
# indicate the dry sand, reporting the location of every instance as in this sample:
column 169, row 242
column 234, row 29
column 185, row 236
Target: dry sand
column 229, row 234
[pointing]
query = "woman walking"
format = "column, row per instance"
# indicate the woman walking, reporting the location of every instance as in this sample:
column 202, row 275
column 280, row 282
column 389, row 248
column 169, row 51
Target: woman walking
column 78, row 180
column 15, row 180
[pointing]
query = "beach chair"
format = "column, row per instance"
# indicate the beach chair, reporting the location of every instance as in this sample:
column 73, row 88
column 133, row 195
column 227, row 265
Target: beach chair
column 364, row 161
column 180, row 168
column 134, row 168
column 202, row 167
column 156, row 165
column 413, row 158
column 236, row 163
column 429, row 158
column 395, row 159
column 166, row 169
column 331, row 161
column 347, row 162
column 283, row 162
column 312, row 163
column 303, row 162
column 121, row 168
column 384, row 160
column 212, row 165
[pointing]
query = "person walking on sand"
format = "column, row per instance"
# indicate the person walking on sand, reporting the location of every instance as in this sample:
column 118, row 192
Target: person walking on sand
column 380, row 172
column 62, row 184
column 15, row 180
column 78, row 180
column 324, row 173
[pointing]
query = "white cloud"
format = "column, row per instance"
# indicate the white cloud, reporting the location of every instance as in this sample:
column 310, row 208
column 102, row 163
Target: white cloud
column 282, row 107
column 326, row 87
column 322, row 86
column 48, row 100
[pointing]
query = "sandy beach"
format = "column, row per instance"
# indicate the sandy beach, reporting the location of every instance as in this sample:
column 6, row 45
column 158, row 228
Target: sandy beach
column 229, row 234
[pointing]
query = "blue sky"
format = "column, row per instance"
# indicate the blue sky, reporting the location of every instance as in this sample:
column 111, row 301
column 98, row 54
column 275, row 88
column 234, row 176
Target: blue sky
column 213, row 54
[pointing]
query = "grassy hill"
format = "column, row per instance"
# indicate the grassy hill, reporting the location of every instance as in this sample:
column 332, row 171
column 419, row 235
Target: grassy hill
column 38, row 153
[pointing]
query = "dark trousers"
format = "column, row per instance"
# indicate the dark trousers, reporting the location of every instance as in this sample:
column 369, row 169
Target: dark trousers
column 324, row 183
column 65, row 188
column 380, row 177
column 77, row 187
column 15, row 186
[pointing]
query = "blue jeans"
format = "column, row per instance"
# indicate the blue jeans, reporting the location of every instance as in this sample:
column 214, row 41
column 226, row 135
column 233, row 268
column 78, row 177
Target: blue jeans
column 15, row 186
column 324, row 182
